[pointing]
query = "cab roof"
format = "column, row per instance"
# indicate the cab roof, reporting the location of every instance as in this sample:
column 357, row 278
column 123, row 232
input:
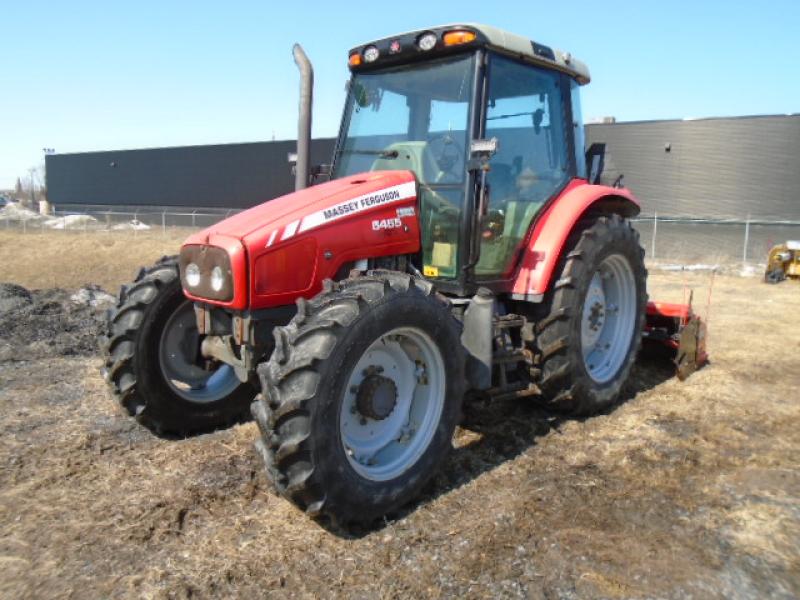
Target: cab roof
column 405, row 48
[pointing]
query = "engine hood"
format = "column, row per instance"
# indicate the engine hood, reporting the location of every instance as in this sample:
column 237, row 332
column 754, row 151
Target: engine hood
column 286, row 247
column 313, row 206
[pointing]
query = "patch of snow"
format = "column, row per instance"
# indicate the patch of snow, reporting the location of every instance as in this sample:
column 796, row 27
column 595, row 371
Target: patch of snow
column 697, row 267
column 94, row 297
column 132, row 225
column 13, row 211
column 69, row 222
column 751, row 271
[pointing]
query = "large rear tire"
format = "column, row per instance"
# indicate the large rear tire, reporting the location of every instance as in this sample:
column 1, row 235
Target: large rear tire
column 591, row 328
column 153, row 364
column 361, row 397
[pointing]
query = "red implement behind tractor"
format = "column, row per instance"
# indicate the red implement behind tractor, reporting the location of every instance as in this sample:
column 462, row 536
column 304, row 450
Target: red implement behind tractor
column 462, row 243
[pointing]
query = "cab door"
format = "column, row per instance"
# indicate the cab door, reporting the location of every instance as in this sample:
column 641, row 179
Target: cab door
column 526, row 111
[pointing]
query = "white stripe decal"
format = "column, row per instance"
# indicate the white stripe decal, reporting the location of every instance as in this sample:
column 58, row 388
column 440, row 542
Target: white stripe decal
column 272, row 237
column 290, row 230
column 396, row 193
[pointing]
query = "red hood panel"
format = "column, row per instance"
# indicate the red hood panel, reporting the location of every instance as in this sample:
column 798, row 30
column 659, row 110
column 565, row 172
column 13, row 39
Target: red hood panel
column 289, row 245
column 284, row 210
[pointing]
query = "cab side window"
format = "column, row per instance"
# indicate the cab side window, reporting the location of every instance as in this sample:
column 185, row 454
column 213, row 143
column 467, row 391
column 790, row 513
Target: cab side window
column 526, row 113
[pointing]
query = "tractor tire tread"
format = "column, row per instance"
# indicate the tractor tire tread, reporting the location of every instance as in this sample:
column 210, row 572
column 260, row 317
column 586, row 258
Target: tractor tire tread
column 290, row 381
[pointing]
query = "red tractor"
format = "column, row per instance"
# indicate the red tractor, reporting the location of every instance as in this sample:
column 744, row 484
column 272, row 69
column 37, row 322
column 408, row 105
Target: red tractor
column 461, row 244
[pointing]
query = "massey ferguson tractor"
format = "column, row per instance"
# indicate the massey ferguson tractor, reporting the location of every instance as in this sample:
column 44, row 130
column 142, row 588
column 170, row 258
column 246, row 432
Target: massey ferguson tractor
column 460, row 245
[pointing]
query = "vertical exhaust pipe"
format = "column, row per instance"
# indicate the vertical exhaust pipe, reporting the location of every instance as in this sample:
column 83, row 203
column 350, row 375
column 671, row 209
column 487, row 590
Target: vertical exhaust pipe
column 302, row 167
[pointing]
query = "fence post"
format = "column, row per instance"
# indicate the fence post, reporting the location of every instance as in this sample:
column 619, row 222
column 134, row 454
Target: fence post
column 163, row 222
column 746, row 241
column 653, row 239
column 193, row 218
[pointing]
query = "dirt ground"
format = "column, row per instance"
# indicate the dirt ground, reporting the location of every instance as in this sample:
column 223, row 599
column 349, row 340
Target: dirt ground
column 682, row 490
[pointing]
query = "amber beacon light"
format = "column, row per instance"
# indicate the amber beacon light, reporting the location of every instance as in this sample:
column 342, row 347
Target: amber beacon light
column 459, row 36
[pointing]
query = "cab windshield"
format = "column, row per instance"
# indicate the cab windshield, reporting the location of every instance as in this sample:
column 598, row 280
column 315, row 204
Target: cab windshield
column 416, row 118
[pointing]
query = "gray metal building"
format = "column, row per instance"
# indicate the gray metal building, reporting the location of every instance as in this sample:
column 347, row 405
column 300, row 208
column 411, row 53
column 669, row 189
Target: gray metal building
column 714, row 168
column 710, row 168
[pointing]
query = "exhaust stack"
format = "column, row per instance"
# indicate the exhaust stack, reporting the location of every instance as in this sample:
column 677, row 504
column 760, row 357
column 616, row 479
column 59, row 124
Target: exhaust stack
column 302, row 168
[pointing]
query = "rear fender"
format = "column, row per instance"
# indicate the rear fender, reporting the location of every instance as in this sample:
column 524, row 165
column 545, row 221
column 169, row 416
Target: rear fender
column 551, row 230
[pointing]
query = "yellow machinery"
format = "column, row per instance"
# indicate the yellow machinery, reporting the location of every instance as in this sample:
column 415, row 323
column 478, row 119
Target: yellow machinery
column 783, row 262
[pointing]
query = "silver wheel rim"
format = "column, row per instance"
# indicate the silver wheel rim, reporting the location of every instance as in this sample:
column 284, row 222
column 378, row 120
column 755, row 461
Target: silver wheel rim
column 608, row 318
column 178, row 356
column 384, row 449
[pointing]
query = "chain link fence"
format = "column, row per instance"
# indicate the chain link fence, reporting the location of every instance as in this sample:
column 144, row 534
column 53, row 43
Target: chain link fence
column 724, row 243
column 100, row 219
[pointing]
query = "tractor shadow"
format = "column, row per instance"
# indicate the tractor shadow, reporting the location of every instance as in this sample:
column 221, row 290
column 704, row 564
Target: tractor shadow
column 499, row 431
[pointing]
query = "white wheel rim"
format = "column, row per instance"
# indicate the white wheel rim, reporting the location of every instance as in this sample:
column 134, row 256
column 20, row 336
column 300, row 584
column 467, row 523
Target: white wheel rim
column 384, row 449
column 608, row 318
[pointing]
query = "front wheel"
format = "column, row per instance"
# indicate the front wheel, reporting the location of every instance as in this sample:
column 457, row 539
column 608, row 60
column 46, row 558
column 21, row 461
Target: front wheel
column 590, row 331
column 153, row 362
column 361, row 397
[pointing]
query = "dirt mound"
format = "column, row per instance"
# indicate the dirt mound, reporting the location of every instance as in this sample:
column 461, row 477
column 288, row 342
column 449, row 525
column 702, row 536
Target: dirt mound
column 53, row 322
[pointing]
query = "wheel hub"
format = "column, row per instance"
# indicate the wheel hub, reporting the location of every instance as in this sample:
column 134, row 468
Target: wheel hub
column 392, row 403
column 596, row 317
column 376, row 397
column 182, row 366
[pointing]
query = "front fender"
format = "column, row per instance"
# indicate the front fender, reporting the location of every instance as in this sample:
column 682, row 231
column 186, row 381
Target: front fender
column 553, row 227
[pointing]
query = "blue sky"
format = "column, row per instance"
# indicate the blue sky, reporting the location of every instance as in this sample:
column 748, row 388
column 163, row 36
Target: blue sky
column 79, row 76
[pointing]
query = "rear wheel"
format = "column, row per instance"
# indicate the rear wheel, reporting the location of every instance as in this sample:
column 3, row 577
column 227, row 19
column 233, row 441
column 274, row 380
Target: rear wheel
column 361, row 397
column 153, row 361
column 591, row 331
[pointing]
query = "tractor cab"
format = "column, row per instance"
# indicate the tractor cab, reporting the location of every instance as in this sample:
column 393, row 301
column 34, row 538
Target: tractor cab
column 419, row 100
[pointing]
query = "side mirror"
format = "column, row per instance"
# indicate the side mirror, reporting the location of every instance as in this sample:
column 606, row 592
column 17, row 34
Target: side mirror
column 320, row 173
column 595, row 161
column 538, row 117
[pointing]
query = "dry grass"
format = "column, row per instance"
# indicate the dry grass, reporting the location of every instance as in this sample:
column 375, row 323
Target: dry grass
column 72, row 259
column 685, row 489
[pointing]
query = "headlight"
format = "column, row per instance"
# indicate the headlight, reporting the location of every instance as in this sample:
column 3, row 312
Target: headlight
column 206, row 272
column 217, row 279
column 192, row 275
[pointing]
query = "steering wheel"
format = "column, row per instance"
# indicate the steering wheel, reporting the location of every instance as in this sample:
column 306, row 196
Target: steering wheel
column 448, row 155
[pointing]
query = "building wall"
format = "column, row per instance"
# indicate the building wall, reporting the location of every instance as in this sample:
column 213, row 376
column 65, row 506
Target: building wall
column 728, row 167
column 715, row 168
column 217, row 176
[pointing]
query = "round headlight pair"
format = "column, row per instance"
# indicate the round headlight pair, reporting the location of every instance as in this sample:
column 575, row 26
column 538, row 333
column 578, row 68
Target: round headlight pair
column 193, row 277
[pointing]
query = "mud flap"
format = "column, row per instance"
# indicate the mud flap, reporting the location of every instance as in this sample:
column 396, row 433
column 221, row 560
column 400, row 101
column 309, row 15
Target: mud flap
column 682, row 333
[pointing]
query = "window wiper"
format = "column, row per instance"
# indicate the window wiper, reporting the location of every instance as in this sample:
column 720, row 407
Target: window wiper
column 510, row 115
column 381, row 153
